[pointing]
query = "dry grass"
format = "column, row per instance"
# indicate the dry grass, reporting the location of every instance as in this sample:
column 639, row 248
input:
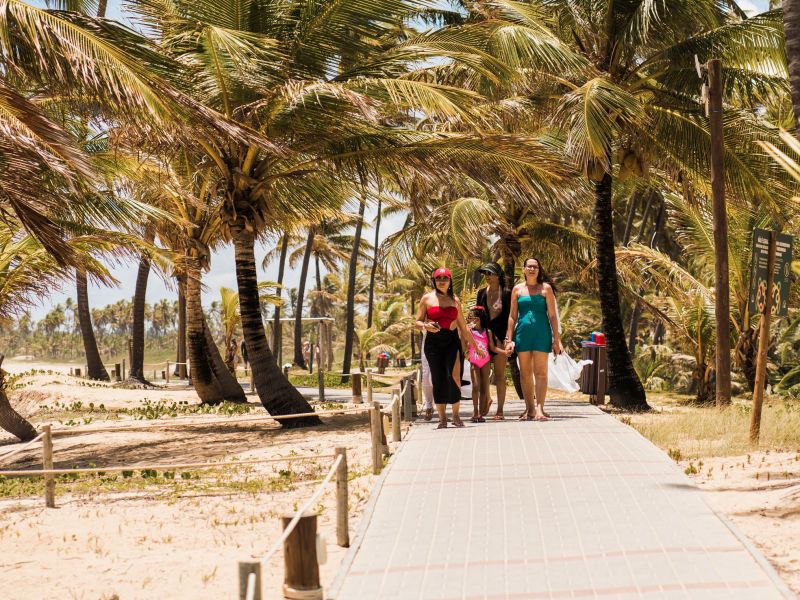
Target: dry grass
column 688, row 431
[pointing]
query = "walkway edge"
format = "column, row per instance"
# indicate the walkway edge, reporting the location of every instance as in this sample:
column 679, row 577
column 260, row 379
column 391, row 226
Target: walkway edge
column 751, row 548
column 366, row 517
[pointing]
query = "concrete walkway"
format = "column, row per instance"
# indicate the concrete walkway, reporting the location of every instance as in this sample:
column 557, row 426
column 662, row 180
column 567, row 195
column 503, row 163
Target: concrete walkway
column 578, row 507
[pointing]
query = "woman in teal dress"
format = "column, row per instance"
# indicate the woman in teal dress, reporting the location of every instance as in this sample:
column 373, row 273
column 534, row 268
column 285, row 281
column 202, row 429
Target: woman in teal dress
column 534, row 324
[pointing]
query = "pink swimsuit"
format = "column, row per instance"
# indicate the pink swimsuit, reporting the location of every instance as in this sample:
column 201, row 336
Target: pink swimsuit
column 482, row 340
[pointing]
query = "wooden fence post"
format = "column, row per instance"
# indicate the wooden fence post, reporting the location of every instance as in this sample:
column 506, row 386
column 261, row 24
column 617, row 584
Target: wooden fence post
column 409, row 404
column 321, row 362
column 117, row 372
column 355, row 378
column 167, row 377
column 342, row 526
column 301, row 575
column 47, row 464
column 123, row 368
column 245, row 570
column 375, row 435
column 396, row 416
column 369, row 386
column 383, row 425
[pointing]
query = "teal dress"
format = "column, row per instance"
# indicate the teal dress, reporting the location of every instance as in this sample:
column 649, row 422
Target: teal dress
column 533, row 327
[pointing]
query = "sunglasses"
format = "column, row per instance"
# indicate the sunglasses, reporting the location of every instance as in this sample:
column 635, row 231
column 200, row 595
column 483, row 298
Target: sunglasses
column 442, row 278
column 535, row 267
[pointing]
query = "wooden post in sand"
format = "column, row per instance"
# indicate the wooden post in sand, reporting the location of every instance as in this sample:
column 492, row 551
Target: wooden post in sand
column 369, row 387
column 167, row 377
column 342, row 525
column 396, row 415
column 375, row 437
column 301, row 574
column 47, row 464
column 246, row 569
column 355, row 378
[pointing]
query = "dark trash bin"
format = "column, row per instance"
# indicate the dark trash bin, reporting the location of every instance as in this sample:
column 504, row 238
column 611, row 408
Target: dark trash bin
column 594, row 377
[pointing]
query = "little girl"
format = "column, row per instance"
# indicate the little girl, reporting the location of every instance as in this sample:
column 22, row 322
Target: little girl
column 478, row 322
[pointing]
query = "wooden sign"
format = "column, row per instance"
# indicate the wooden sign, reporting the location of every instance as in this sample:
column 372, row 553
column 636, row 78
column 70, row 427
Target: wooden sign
column 781, row 274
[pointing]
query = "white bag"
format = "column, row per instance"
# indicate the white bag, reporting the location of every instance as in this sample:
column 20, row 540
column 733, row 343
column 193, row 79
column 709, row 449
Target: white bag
column 466, row 381
column 563, row 372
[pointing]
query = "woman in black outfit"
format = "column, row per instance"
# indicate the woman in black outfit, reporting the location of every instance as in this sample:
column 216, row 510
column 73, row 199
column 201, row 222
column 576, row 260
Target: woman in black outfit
column 441, row 316
column 495, row 299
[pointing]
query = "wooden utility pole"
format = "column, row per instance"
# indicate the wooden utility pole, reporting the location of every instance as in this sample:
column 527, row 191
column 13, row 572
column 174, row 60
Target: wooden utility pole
column 720, row 226
column 763, row 344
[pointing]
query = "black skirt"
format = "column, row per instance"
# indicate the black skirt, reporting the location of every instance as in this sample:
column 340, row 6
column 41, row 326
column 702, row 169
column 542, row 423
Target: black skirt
column 442, row 350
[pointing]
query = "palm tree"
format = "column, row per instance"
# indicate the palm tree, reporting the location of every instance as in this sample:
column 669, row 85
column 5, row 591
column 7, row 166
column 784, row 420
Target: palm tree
column 633, row 102
column 139, row 295
column 791, row 27
column 349, row 327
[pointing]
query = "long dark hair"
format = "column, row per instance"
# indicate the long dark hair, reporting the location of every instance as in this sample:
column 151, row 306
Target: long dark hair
column 542, row 277
column 479, row 312
column 449, row 287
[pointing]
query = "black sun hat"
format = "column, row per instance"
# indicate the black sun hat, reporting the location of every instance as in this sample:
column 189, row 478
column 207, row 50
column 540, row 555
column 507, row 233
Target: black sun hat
column 492, row 268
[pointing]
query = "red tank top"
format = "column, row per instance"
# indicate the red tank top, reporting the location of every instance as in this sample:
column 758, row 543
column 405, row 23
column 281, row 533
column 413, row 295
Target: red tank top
column 443, row 316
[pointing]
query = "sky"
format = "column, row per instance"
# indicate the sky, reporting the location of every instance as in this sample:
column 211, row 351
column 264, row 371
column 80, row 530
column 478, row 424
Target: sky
column 222, row 263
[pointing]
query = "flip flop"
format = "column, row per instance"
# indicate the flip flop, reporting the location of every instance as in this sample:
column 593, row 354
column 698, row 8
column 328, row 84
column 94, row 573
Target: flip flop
column 442, row 425
column 428, row 414
column 475, row 420
column 545, row 418
column 499, row 418
column 458, row 424
column 481, row 420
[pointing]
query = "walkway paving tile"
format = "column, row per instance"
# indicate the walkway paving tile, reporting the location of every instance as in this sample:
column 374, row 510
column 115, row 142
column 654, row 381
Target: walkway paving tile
column 578, row 507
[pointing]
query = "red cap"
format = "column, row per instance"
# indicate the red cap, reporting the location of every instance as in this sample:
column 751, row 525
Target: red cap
column 442, row 272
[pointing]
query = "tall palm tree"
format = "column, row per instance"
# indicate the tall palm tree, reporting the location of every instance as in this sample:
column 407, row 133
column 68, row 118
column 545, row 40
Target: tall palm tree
column 349, row 327
column 137, row 325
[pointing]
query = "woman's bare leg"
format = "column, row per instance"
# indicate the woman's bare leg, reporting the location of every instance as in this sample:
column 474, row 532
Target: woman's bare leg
column 499, row 361
column 456, row 417
column 526, row 379
column 540, row 381
column 441, row 409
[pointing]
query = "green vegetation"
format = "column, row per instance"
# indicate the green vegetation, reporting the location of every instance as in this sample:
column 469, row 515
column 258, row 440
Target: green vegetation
column 571, row 131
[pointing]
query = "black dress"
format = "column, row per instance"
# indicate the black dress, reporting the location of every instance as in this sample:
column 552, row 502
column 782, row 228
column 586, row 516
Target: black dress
column 499, row 324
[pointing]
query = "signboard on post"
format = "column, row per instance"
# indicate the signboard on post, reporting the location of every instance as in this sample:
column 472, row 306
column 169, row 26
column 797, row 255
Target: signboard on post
column 781, row 273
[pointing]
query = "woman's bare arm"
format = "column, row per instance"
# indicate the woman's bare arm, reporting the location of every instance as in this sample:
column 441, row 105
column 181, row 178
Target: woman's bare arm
column 512, row 319
column 552, row 309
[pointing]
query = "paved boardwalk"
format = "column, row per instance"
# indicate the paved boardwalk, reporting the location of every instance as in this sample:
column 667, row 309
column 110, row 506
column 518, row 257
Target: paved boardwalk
column 579, row 507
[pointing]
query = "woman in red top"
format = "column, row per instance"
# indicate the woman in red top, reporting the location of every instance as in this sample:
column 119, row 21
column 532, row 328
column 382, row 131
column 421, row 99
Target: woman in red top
column 440, row 314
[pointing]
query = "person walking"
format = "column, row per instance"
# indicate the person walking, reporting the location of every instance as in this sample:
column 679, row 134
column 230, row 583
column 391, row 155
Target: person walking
column 478, row 322
column 441, row 316
column 495, row 299
column 533, row 322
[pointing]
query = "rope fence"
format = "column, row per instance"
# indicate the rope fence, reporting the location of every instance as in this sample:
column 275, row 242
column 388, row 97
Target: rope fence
column 303, row 548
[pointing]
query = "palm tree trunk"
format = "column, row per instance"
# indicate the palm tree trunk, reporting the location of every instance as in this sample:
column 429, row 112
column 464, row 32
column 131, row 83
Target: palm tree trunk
column 230, row 388
column 299, row 360
column 94, row 366
column 625, row 388
column 277, row 328
column 139, row 297
column 372, row 274
column 277, row 395
column 10, row 420
column 205, row 384
column 101, row 8
column 350, row 310
column 791, row 28
column 180, row 357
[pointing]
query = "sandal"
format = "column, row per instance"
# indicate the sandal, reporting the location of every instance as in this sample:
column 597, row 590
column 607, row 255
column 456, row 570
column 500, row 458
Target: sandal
column 458, row 423
column 428, row 414
column 442, row 425
column 499, row 418
column 481, row 420
column 475, row 420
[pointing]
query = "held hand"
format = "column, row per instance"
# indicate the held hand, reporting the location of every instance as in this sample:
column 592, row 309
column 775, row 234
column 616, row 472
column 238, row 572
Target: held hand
column 557, row 347
column 431, row 326
column 509, row 347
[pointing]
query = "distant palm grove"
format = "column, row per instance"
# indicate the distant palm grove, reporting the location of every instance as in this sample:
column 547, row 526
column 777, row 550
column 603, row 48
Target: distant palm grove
column 574, row 131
